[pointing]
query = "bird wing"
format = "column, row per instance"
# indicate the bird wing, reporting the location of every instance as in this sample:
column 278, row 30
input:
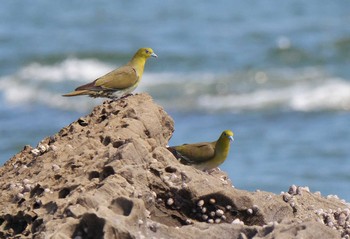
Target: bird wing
column 196, row 153
column 121, row 78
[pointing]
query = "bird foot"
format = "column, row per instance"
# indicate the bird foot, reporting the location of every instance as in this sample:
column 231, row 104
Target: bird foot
column 213, row 170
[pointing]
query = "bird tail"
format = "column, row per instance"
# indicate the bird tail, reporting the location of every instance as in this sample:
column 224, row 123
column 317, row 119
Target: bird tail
column 179, row 156
column 77, row 92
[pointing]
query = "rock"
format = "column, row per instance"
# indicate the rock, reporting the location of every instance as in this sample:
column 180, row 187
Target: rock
column 109, row 175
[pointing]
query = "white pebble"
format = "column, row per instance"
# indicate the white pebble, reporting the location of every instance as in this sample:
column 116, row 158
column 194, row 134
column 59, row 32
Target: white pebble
column 223, row 217
column 219, row 212
column 204, row 217
column 318, row 193
column 212, row 214
column 173, row 176
column 140, row 222
column 292, row 190
column 188, row 221
column 342, row 219
column 43, row 148
column 27, row 188
column 26, row 181
column 35, row 152
column 53, row 147
column 200, row 203
column 154, row 194
column 347, row 211
column 217, row 220
column 286, row 197
column 237, row 221
column 212, row 201
column 250, row 211
column 204, row 210
column 55, row 167
column 47, row 190
column 12, row 186
column 228, row 207
column 319, row 211
column 170, row 201
column 255, row 208
column 210, row 221
column 20, row 195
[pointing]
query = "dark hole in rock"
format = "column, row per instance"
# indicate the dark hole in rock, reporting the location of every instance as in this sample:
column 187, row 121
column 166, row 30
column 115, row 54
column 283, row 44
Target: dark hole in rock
column 218, row 201
column 21, row 201
column 147, row 133
column 124, row 125
column 155, row 171
column 106, row 172
column 71, row 129
column 116, row 112
column 82, row 122
column 37, row 204
column 63, row 132
column 51, row 207
column 106, row 140
column 117, row 144
column 90, row 227
column 170, row 169
column 17, row 223
column 94, row 174
column 1, row 221
column 64, row 192
column 102, row 118
column 122, row 206
column 57, row 176
column 37, row 190
column 36, row 224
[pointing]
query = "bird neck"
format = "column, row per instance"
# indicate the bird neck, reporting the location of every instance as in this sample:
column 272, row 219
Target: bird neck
column 222, row 146
column 139, row 64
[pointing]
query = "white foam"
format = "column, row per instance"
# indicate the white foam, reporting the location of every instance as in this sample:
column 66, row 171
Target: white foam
column 330, row 94
column 334, row 94
column 308, row 90
column 37, row 83
column 69, row 69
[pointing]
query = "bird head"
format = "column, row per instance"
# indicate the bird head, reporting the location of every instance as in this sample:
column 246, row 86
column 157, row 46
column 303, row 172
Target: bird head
column 146, row 53
column 228, row 134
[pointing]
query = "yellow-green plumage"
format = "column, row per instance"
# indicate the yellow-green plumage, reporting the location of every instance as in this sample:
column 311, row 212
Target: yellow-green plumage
column 207, row 155
column 119, row 82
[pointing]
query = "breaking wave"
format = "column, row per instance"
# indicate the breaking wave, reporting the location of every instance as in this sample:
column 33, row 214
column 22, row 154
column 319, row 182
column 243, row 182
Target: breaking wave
column 308, row 89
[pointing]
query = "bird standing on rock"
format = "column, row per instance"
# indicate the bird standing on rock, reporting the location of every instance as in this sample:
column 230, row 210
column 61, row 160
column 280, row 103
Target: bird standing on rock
column 204, row 156
column 119, row 82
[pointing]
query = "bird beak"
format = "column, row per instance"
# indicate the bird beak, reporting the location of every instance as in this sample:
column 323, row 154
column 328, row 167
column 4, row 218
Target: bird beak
column 231, row 138
column 154, row 55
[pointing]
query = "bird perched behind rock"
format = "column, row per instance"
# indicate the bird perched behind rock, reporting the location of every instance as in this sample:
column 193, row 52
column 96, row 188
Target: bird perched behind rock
column 207, row 155
column 119, row 82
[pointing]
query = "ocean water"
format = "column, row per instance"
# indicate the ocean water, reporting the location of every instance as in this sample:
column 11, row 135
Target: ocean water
column 277, row 74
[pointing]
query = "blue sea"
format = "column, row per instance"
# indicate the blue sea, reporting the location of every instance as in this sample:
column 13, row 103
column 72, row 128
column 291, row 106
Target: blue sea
column 277, row 73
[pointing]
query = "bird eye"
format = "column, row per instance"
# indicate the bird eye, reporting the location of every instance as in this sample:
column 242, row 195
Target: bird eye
column 147, row 51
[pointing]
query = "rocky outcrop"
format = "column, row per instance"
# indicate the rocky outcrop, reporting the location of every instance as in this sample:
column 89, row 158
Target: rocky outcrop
column 109, row 175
